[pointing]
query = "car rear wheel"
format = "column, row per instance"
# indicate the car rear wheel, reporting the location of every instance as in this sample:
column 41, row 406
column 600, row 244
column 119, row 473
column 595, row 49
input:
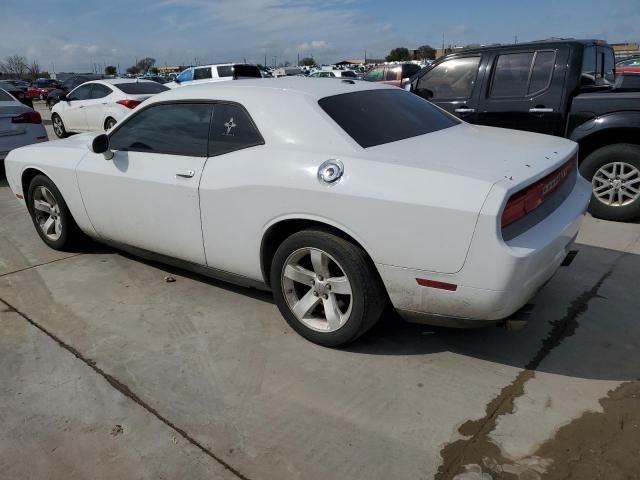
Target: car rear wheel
column 326, row 287
column 614, row 172
column 58, row 126
column 50, row 215
column 109, row 123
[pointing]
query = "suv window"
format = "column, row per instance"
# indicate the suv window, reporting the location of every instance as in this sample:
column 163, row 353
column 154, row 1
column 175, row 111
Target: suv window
column 392, row 115
column 232, row 129
column 409, row 69
column 522, row 74
column 99, row 91
column 202, row 73
column 173, row 128
column 631, row 62
column 542, row 71
column 392, row 73
column 185, row 75
column 598, row 66
column 453, row 78
column 375, row 75
column 83, row 92
column 225, row 71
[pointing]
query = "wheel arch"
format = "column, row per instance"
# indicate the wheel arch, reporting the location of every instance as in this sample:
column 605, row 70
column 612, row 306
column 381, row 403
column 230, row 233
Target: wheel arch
column 281, row 229
column 29, row 174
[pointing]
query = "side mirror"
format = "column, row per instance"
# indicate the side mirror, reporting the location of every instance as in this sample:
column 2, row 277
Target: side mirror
column 100, row 144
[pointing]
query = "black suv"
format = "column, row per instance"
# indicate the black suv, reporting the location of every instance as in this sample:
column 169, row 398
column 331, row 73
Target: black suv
column 558, row 87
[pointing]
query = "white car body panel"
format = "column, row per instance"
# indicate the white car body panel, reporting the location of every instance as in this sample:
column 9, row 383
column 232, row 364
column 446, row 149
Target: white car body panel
column 425, row 207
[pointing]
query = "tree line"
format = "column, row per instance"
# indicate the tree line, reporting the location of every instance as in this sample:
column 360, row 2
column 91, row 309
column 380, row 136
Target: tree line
column 19, row 67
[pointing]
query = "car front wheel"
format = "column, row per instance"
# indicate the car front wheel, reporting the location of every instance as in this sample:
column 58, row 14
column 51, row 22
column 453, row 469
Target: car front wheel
column 50, row 214
column 58, row 126
column 326, row 287
column 614, row 172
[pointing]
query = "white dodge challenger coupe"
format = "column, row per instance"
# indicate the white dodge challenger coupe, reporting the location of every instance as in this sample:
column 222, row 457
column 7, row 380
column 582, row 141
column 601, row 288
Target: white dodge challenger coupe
column 337, row 196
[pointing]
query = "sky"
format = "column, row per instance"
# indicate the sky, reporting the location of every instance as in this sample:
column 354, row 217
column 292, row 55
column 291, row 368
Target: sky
column 75, row 35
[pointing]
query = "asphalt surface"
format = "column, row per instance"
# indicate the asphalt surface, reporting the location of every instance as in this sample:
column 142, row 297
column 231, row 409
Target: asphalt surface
column 108, row 371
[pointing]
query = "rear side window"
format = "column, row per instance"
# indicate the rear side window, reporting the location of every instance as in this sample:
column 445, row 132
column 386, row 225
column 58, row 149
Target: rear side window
column 5, row 97
column 391, row 115
column 202, row 73
column 522, row 74
column 232, row 129
column 250, row 71
column 174, row 129
column 598, row 66
column 453, row 78
column 225, row 71
column 141, row 88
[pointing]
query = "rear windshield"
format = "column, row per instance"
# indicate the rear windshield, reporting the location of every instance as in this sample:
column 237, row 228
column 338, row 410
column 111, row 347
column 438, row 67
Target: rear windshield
column 5, row 97
column 376, row 117
column 141, row 88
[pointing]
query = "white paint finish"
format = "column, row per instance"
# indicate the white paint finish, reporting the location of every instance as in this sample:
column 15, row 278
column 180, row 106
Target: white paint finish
column 430, row 204
column 136, row 198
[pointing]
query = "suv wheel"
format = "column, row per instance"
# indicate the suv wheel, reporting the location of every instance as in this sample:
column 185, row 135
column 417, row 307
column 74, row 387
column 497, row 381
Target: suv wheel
column 614, row 172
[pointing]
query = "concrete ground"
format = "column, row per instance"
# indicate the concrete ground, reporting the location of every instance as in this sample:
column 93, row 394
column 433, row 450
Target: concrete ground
column 107, row 371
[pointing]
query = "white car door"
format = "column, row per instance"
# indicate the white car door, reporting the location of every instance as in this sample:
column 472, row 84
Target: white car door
column 96, row 106
column 146, row 196
column 73, row 115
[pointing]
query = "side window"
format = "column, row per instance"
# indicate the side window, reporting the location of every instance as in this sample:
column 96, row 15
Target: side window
column 409, row 69
column 608, row 65
column 232, row 129
column 542, row 71
column 174, row 129
column 99, row 91
column 511, row 75
column 391, row 74
column 202, row 73
column 375, row 75
column 83, row 92
column 186, row 75
column 225, row 71
column 589, row 66
column 453, row 78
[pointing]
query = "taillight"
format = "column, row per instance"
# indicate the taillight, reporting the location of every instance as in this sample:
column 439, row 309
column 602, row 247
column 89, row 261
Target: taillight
column 28, row 117
column 527, row 200
column 129, row 103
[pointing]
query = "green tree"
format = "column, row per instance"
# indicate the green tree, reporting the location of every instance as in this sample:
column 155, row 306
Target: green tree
column 307, row 62
column 399, row 54
column 146, row 63
column 426, row 52
column 110, row 70
column 133, row 70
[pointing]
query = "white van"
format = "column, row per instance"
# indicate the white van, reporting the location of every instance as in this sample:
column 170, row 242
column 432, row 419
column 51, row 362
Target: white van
column 215, row 73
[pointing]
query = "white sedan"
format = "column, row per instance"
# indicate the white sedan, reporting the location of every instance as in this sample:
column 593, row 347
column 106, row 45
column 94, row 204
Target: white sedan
column 337, row 196
column 19, row 125
column 100, row 104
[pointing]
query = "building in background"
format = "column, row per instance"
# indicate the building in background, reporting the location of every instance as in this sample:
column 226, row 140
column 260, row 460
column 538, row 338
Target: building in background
column 624, row 50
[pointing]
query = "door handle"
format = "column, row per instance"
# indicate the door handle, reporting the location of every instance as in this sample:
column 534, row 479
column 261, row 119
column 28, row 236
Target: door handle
column 185, row 174
column 541, row 110
column 464, row 110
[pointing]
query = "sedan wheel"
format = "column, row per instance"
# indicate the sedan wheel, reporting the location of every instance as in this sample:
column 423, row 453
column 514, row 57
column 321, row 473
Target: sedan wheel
column 50, row 214
column 58, row 126
column 326, row 287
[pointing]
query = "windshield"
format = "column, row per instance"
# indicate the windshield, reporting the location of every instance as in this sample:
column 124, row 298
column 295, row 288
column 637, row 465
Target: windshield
column 141, row 88
column 376, row 117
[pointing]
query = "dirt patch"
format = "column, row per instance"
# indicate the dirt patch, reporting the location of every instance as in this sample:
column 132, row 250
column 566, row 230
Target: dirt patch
column 599, row 445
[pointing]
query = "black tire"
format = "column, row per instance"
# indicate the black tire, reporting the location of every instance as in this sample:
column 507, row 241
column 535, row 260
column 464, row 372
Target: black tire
column 109, row 123
column 368, row 295
column 70, row 233
column 626, row 153
column 58, row 128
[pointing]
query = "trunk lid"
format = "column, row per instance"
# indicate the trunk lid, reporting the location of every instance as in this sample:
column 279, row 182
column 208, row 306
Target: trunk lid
column 8, row 110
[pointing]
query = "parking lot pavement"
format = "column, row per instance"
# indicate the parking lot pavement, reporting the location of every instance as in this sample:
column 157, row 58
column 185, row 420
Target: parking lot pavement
column 100, row 339
column 45, row 113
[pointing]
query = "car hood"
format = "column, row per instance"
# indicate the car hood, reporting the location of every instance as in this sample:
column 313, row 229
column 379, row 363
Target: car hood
column 75, row 141
column 484, row 153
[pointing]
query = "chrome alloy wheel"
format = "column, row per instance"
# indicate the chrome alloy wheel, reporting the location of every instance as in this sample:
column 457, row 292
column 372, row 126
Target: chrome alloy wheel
column 317, row 290
column 47, row 213
column 57, row 126
column 617, row 184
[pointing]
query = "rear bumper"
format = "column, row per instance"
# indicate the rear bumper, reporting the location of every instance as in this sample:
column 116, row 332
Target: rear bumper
column 498, row 277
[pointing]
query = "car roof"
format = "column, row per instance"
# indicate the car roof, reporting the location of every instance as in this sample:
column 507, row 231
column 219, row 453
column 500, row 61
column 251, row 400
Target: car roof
column 310, row 87
column 224, row 65
column 116, row 81
column 534, row 44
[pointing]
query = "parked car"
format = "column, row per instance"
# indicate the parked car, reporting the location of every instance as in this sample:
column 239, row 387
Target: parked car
column 228, row 181
column 559, row 87
column 215, row 73
column 100, row 104
column 41, row 88
column 629, row 65
column 333, row 74
column 397, row 75
column 17, row 92
column 18, row 83
column 69, row 84
column 19, row 125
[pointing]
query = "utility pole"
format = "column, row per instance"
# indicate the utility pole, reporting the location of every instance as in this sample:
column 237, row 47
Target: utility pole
column 442, row 43
column 365, row 56
column 298, row 64
column 515, row 39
